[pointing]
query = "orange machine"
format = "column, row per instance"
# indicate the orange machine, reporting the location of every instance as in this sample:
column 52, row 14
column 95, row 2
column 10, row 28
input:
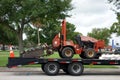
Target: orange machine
column 86, row 47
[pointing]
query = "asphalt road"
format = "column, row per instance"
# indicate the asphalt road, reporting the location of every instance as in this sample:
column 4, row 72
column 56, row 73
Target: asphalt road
column 37, row 74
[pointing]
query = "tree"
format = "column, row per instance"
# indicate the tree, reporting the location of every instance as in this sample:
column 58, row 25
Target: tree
column 49, row 32
column 16, row 14
column 115, row 28
column 116, row 4
column 46, row 34
column 31, row 34
column 100, row 34
column 71, row 31
column 7, row 37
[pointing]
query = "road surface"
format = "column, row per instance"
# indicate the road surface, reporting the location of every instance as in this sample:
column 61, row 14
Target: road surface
column 37, row 74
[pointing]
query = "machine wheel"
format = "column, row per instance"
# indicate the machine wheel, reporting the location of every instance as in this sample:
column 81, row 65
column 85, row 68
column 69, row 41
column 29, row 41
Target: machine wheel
column 90, row 53
column 51, row 68
column 75, row 69
column 67, row 52
column 60, row 54
column 82, row 55
column 98, row 55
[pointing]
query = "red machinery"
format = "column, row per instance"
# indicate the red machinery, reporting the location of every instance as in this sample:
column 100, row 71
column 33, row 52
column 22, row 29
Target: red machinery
column 86, row 47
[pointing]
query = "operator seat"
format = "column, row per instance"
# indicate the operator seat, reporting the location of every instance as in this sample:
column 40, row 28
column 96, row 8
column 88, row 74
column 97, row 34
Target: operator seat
column 78, row 40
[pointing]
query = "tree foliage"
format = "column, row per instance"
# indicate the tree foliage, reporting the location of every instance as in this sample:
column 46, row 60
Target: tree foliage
column 71, row 31
column 116, row 4
column 100, row 34
column 16, row 14
column 48, row 33
column 115, row 28
column 7, row 36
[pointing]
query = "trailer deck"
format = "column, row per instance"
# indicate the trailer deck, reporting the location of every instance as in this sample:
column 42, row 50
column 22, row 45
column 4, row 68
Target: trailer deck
column 51, row 66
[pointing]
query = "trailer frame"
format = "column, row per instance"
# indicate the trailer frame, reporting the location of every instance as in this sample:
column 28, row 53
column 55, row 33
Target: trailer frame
column 51, row 66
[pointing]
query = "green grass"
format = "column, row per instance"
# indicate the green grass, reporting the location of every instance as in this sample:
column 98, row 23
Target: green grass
column 4, row 57
column 5, row 54
column 100, row 66
column 56, row 55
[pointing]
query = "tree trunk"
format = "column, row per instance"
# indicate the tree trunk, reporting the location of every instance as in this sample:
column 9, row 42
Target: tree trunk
column 20, row 41
column 3, row 47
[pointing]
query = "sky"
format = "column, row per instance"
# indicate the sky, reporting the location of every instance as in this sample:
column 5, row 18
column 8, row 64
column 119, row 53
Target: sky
column 89, row 14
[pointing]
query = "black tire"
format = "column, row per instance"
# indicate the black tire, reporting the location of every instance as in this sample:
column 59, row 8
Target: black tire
column 51, row 68
column 67, row 52
column 65, row 68
column 75, row 69
column 98, row 55
column 90, row 53
column 60, row 54
column 42, row 67
column 66, row 71
column 82, row 55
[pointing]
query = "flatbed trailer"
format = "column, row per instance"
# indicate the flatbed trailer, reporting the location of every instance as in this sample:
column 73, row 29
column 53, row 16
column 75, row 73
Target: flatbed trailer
column 51, row 66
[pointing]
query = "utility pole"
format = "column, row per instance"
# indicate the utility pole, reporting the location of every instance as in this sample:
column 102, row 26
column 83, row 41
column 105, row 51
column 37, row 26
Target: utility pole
column 38, row 37
column 37, row 24
column 39, row 29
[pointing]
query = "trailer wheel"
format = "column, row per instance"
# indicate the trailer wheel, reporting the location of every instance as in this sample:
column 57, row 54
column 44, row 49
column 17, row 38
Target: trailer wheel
column 90, row 53
column 67, row 52
column 66, row 71
column 51, row 68
column 42, row 67
column 75, row 69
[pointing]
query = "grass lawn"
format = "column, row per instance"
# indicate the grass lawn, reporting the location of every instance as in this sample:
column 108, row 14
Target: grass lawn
column 5, row 54
column 4, row 57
